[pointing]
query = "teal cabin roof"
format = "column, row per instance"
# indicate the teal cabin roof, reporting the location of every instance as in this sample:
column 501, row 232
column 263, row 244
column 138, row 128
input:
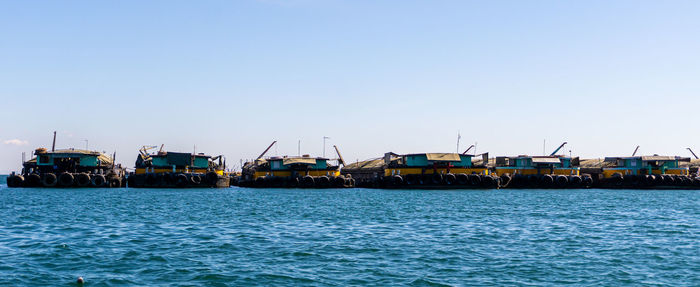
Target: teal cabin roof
column 84, row 158
column 633, row 162
column 524, row 161
column 179, row 159
column 429, row 159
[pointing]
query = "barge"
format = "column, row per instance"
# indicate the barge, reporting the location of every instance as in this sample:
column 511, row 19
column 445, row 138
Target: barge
column 423, row 171
column 294, row 172
column 68, row 168
column 552, row 171
column 164, row 169
column 647, row 172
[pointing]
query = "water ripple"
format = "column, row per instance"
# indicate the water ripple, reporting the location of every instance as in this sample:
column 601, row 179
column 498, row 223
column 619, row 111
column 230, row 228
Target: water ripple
column 224, row 237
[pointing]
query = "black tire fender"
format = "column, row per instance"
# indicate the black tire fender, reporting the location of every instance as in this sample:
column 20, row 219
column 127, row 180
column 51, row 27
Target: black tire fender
column 98, row 180
column 66, row 179
column 450, row 179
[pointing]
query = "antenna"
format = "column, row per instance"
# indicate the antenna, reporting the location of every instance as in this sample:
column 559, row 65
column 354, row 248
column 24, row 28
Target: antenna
column 86, row 144
column 324, row 145
column 544, row 145
column 459, row 136
column 691, row 151
column 299, row 147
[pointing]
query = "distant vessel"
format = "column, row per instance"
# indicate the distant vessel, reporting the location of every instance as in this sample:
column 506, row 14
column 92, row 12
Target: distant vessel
column 294, row 171
column 654, row 171
column 423, row 170
column 176, row 169
column 68, row 168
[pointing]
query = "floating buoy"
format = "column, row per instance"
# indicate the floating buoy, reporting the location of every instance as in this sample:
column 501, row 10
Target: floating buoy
column 80, row 280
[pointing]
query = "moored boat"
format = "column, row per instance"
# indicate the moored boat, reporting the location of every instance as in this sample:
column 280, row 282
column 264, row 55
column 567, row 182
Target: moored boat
column 68, row 168
column 164, row 169
column 552, row 171
column 654, row 172
column 294, row 172
column 424, row 171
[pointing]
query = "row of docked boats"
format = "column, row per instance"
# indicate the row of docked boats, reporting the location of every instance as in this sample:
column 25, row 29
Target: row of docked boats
column 165, row 169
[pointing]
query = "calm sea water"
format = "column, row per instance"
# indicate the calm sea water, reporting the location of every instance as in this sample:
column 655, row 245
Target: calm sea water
column 221, row 237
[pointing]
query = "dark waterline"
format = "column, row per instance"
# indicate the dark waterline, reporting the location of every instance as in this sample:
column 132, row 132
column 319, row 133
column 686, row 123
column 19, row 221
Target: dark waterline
column 220, row 237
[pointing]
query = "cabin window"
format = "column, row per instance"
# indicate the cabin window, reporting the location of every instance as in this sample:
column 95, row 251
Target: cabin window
column 44, row 159
column 633, row 163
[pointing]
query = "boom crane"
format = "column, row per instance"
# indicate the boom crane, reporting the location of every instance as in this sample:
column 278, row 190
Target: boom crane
column 144, row 152
column 468, row 149
column 267, row 149
column 557, row 150
column 691, row 151
column 340, row 157
column 635, row 151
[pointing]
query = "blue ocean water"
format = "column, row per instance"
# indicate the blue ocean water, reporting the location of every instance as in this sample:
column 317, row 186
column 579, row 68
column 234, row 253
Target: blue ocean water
column 235, row 236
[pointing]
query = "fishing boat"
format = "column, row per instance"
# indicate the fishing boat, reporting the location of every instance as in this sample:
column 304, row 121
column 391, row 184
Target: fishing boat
column 166, row 169
column 423, row 170
column 68, row 168
column 552, row 171
column 657, row 172
column 294, row 172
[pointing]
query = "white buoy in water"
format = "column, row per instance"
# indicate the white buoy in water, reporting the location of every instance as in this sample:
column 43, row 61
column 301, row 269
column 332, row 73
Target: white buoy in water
column 80, row 280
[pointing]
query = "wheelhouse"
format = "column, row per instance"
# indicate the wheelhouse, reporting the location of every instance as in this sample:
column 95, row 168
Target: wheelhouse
column 178, row 162
column 537, row 165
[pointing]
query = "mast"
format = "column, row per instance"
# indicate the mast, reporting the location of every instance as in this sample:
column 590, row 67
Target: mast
column 53, row 146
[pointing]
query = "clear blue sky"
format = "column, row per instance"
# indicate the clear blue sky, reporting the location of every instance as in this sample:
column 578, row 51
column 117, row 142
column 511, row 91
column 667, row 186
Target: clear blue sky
column 374, row 76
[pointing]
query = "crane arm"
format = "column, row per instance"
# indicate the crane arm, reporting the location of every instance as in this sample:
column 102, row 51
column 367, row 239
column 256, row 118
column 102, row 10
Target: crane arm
column 267, row 149
column 468, row 149
column 340, row 157
column 557, row 150
column 635, row 151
